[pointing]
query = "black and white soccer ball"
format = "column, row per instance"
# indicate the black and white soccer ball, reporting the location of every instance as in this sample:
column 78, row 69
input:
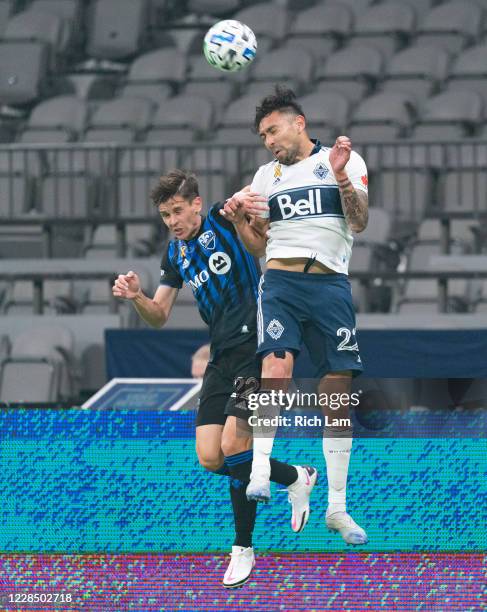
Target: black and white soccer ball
column 230, row 45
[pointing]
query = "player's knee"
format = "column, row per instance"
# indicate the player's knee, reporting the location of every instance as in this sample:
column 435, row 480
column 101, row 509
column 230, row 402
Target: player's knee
column 211, row 461
column 276, row 367
column 232, row 444
column 211, row 464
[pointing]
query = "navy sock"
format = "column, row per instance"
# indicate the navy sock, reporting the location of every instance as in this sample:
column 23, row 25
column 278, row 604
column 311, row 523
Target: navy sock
column 240, row 466
column 223, row 470
column 244, row 512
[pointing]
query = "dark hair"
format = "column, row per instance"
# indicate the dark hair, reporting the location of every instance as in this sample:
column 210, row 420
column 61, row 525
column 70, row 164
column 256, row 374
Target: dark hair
column 283, row 99
column 176, row 182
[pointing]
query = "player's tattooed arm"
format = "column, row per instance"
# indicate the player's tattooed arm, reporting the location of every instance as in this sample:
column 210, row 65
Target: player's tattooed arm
column 354, row 203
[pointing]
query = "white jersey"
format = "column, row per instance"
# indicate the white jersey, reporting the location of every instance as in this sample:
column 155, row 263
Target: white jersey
column 305, row 210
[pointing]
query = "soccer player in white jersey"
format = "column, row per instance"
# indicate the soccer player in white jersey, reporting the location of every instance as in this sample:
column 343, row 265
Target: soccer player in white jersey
column 315, row 198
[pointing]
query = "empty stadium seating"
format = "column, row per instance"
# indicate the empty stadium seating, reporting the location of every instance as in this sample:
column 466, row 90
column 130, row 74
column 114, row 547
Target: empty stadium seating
column 97, row 99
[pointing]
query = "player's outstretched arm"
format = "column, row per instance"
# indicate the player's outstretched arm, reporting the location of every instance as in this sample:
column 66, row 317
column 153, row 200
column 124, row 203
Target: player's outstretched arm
column 155, row 312
column 252, row 230
column 355, row 202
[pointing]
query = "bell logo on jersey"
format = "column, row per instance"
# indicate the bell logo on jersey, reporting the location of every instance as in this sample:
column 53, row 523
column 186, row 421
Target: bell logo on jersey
column 302, row 207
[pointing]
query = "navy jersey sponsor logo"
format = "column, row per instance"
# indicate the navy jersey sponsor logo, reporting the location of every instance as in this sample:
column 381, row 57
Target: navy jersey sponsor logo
column 305, row 202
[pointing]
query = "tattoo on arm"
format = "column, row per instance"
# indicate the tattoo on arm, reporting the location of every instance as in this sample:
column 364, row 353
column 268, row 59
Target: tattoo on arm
column 355, row 206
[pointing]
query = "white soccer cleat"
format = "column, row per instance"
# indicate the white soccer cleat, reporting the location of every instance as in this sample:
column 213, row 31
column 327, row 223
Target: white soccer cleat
column 240, row 568
column 299, row 494
column 347, row 527
column 259, row 487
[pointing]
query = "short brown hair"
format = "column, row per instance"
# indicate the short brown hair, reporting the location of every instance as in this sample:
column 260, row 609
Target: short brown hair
column 176, row 182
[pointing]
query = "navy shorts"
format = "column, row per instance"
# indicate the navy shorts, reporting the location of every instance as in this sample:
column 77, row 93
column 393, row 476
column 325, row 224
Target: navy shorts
column 317, row 309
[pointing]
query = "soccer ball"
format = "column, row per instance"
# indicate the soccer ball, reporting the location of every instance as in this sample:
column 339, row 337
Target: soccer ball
column 230, row 45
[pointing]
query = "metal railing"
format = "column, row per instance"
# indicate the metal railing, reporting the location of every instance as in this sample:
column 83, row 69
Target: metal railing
column 95, row 183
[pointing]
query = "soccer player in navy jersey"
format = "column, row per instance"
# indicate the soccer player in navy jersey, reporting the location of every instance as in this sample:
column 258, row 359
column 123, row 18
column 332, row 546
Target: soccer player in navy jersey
column 315, row 197
column 207, row 253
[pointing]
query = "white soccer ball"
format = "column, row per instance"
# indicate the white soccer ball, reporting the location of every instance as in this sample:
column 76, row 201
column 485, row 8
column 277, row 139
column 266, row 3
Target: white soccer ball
column 230, row 45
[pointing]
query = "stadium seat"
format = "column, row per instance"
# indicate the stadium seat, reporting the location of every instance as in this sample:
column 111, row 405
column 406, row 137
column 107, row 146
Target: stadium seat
column 468, row 71
column 70, row 11
column 383, row 116
column 23, row 68
column 267, row 20
column 321, row 29
column 185, row 111
column 352, row 71
column 5, row 9
column 213, row 7
column 160, row 67
column 58, row 297
column 453, row 24
column 388, row 26
column 139, row 237
column 156, row 93
column 326, row 114
column 462, row 232
column 36, row 26
column 46, row 354
column 357, row 6
column 378, row 230
column 124, row 113
column 71, row 196
column 219, row 92
column 89, row 86
column 463, row 191
column 421, row 7
column 118, row 28
column 65, row 115
column 417, row 70
column 405, row 194
column 450, row 113
column 290, row 64
column 201, row 71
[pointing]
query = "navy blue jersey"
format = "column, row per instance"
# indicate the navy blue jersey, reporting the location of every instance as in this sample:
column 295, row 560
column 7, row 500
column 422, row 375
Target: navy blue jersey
column 224, row 278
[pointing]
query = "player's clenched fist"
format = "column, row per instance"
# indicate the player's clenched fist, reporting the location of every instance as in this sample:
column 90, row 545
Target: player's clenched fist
column 126, row 286
column 340, row 153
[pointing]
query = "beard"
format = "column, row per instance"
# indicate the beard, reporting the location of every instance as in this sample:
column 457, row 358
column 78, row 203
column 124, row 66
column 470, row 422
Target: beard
column 290, row 156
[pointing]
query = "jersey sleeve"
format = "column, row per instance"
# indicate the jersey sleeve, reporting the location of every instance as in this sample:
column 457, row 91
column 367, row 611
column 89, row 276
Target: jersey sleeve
column 258, row 185
column 357, row 172
column 216, row 217
column 170, row 277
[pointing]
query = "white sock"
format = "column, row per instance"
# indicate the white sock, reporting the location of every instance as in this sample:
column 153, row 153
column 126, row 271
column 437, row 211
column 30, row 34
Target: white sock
column 262, row 453
column 337, row 457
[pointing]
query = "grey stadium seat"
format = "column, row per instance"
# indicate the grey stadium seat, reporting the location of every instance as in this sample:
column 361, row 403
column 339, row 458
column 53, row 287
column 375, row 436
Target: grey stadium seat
column 118, row 28
column 5, row 10
column 453, row 24
column 463, row 191
column 213, row 7
column 357, row 6
column 353, row 71
column 322, row 28
column 139, row 239
column 266, row 20
column 44, row 356
column 219, row 92
column 405, row 194
column 417, row 70
column 71, row 196
column 124, row 113
column 185, row 111
column 201, row 71
column 378, row 230
column 387, row 115
column 454, row 110
column 326, row 114
column 65, row 114
column 468, row 71
column 290, row 64
column 70, row 12
column 39, row 26
column 387, row 25
column 23, row 68
column 156, row 92
column 20, row 297
column 167, row 65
